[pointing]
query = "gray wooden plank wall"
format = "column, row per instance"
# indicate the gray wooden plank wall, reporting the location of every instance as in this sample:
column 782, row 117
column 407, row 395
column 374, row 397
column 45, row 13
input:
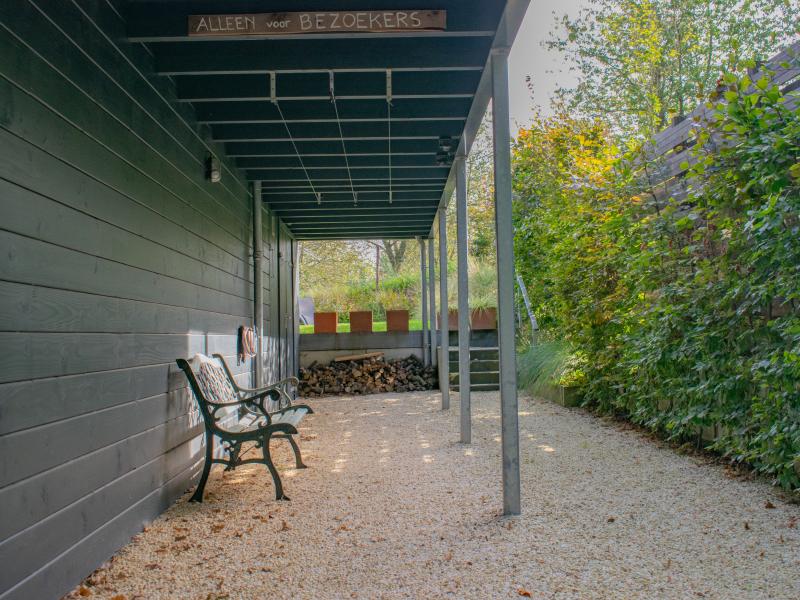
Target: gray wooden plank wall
column 117, row 257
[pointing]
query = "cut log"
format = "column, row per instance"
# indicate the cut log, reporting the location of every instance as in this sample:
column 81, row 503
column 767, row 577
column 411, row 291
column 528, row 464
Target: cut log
column 350, row 357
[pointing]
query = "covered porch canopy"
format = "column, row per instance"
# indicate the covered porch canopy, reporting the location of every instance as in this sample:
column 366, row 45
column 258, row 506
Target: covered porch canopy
column 352, row 121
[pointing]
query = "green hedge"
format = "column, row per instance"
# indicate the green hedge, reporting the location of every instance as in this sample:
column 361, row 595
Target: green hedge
column 681, row 316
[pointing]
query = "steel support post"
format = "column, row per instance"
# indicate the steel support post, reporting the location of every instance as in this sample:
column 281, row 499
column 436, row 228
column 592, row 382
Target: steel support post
column 463, row 301
column 504, row 233
column 258, row 285
column 432, row 301
column 424, row 278
column 444, row 320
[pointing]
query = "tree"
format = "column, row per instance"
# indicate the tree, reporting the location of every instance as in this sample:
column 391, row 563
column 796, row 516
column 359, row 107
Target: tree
column 325, row 264
column 480, row 193
column 642, row 62
column 480, row 198
column 395, row 252
column 562, row 247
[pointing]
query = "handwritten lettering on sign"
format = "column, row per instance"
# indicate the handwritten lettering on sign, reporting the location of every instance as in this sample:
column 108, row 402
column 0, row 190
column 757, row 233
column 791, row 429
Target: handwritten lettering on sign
column 365, row 21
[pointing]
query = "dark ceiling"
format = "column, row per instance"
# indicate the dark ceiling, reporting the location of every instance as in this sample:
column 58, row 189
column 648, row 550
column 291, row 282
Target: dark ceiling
column 349, row 164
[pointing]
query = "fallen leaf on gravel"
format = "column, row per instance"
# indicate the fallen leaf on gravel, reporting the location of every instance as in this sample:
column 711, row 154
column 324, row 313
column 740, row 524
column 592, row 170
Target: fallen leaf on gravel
column 118, row 597
column 180, row 538
column 217, row 527
column 746, row 525
column 449, row 555
column 284, row 526
column 611, row 519
column 97, row 578
column 524, row 592
column 152, row 566
column 84, row 591
column 769, row 505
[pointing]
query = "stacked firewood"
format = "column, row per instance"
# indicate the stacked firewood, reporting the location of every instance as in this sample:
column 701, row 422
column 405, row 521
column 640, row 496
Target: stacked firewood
column 372, row 375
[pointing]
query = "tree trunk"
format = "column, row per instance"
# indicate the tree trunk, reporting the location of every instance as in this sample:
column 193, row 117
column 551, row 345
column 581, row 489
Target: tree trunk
column 395, row 252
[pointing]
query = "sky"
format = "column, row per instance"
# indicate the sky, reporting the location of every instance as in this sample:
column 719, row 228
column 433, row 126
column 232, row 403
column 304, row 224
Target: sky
column 529, row 58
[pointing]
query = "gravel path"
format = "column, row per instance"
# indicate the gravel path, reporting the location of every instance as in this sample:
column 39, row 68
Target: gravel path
column 392, row 507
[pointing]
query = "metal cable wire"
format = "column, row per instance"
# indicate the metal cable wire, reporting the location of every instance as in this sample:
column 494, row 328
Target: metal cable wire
column 389, row 122
column 341, row 137
column 389, row 112
column 274, row 100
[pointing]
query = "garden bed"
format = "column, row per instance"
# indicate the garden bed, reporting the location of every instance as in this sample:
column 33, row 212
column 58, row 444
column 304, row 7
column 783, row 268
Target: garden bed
column 377, row 326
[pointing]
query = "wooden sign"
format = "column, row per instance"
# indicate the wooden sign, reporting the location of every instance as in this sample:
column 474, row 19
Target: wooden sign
column 362, row 21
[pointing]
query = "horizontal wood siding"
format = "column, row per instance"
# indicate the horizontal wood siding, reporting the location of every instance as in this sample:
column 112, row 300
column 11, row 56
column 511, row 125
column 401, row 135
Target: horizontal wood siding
column 118, row 258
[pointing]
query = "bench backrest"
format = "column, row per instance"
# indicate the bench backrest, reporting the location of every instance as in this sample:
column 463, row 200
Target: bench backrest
column 211, row 387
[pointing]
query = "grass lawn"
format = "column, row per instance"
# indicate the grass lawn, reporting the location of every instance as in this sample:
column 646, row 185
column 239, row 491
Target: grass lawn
column 413, row 325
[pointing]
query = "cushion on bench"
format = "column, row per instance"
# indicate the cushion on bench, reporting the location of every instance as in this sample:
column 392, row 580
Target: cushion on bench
column 212, row 380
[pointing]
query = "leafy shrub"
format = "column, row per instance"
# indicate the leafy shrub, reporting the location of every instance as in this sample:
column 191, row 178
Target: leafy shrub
column 398, row 292
column 685, row 315
column 482, row 284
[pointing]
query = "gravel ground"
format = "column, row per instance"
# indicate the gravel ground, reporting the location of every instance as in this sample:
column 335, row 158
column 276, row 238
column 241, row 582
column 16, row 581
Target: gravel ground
column 393, row 507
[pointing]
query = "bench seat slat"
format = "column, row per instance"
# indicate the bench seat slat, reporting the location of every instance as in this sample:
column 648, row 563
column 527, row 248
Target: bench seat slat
column 292, row 416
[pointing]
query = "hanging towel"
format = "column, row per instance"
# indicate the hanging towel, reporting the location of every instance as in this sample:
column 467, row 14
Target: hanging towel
column 246, row 344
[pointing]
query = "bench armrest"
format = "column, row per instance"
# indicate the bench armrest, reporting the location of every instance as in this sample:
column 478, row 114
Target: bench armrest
column 278, row 386
column 257, row 401
column 253, row 404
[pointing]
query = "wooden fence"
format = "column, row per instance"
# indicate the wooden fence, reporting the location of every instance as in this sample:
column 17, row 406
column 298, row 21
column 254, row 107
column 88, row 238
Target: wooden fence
column 663, row 167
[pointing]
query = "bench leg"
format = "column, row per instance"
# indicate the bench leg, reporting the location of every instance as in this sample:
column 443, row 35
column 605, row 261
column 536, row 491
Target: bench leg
column 198, row 493
column 279, row 495
column 233, row 455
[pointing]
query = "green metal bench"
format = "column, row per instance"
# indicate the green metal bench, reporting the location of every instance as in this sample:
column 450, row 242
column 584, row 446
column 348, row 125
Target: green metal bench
column 260, row 415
